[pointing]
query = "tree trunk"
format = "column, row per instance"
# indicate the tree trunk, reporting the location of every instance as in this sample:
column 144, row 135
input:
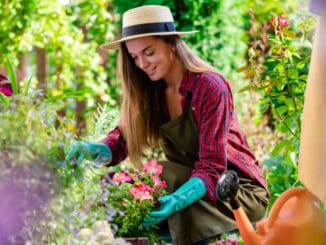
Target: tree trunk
column 41, row 69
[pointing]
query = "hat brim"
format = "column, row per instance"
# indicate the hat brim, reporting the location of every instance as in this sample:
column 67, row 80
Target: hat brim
column 116, row 44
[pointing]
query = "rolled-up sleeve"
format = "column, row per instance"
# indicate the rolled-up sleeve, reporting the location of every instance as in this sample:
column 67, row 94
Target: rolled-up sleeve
column 117, row 144
column 215, row 117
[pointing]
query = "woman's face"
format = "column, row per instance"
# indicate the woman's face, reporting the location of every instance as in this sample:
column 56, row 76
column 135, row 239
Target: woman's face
column 153, row 55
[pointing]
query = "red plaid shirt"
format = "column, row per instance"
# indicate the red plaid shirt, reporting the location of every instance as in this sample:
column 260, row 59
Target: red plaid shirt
column 221, row 140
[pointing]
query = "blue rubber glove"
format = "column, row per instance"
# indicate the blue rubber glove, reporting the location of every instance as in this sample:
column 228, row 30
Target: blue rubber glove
column 81, row 150
column 189, row 192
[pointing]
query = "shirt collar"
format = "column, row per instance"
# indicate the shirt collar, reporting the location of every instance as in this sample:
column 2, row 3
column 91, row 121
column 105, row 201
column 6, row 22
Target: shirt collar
column 188, row 82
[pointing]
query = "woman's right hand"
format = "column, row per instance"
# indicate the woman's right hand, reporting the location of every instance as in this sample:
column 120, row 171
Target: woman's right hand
column 95, row 151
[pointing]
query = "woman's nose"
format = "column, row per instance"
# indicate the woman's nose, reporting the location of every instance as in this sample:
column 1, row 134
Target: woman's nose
column 143, row 63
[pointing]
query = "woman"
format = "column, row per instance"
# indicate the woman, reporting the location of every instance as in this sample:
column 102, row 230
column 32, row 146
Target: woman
column 173, row 98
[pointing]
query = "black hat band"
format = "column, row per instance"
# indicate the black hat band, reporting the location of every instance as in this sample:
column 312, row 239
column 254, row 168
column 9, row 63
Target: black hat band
column 148, row 28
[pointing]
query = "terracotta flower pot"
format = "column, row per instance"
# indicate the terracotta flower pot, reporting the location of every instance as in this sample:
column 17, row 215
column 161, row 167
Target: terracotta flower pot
column 138, row 240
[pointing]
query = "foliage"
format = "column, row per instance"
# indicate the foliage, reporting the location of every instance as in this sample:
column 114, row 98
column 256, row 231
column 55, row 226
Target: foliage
column 278, row 69
column 94, row 17
column 41, row 189
column 215, row 40
column 74, row 62
column 73, row 209
column 31, row 147
column 104, row 119
column 27, row 128
column 282, row 174
column 263, row 9
column 70, row 33
column 12, row 27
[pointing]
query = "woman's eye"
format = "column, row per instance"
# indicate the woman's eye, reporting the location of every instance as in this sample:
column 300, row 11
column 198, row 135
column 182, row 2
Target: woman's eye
column 149, row 53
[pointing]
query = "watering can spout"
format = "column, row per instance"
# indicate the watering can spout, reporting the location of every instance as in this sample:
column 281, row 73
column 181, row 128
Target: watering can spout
column 295, row 218
column 246, row 229
column 226, row 191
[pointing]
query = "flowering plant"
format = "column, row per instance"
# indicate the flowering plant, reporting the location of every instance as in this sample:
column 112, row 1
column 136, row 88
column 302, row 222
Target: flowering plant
column 130, row 196
column 229, row 239
column 277, row 68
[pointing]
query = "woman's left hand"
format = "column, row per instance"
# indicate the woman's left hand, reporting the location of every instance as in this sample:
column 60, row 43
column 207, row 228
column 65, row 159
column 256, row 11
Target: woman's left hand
column 189, row 192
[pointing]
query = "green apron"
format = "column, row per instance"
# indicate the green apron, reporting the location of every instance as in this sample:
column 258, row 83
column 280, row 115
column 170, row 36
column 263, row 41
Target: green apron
column 201, row 220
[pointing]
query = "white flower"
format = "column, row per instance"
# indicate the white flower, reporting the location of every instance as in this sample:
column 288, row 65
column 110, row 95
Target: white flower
column 85, row 234
column 103, row 235
column 101, row 225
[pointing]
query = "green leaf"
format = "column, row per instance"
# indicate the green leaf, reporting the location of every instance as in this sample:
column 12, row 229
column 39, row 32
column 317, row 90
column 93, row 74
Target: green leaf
column 301, row 64
column 289, row 34
column 271, row 59
column 293, row 73
column 12, row 76
column 27, row 86
column 264, row 107
column 280, row 68
column 242, row 68
column 281, row 109
column 3, row 98
column 272, row 162
column 284, row 144
column 248, row 87
column 303, row 77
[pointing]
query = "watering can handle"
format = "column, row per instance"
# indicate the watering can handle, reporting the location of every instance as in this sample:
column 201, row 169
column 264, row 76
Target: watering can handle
column 294, row 191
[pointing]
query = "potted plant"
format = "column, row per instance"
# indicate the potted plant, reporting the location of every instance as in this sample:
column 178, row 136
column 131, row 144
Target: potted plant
column 128, row 196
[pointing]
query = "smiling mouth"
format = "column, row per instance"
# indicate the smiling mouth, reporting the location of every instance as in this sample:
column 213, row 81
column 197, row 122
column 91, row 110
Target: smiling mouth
column 150, row 72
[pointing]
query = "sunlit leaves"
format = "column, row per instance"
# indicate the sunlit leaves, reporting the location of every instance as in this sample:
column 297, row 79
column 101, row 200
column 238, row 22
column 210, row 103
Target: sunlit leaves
column 279, row 58
column 281, row 74
column 70, row 32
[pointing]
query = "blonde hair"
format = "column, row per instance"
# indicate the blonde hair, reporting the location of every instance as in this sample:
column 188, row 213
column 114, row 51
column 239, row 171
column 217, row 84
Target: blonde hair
column 142, row 105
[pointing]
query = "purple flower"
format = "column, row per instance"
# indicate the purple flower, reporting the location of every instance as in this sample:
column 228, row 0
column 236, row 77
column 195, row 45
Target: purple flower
column 109, row 218
column 111, row 211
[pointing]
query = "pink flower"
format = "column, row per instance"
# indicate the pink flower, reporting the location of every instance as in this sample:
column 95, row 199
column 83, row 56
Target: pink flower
column 158, row 182
column 231, row 240
column 282, row 21
column 142, row 192
column 153, row 168
column 121, row 177
column 222, row 242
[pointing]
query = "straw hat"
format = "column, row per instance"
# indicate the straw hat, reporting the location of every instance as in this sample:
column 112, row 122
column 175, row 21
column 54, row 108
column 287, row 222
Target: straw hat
column 148, row 20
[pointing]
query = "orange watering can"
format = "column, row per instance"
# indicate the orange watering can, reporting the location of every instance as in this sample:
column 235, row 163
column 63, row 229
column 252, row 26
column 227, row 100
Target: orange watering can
column 296, row 217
